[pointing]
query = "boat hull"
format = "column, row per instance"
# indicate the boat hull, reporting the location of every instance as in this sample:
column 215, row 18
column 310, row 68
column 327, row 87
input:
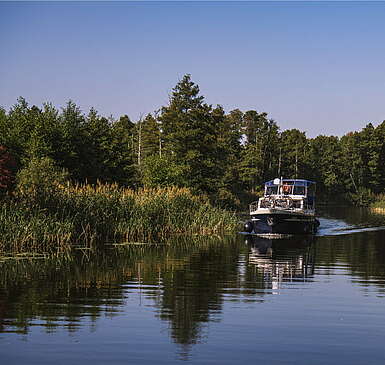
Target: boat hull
column 284, row 224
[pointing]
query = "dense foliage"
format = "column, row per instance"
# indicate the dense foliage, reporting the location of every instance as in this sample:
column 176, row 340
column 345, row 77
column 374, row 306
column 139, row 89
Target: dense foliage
column 189, row 143
column 7, row 173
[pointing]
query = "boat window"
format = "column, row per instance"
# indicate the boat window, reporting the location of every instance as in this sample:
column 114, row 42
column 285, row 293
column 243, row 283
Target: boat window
column 299, row 190
column 287, row 189
column 272, row 190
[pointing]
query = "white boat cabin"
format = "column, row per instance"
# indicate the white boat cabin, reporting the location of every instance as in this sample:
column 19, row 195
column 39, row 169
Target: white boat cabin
column 286, row 194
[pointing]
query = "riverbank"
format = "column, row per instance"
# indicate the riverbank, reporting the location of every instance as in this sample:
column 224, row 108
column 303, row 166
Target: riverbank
column 379, row 210
column 378, row 206
column 88, row 216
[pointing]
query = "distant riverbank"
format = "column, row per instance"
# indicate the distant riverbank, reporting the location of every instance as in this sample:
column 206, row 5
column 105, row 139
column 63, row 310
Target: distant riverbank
column 378, row 206
column 88, row 216
column 378, row 210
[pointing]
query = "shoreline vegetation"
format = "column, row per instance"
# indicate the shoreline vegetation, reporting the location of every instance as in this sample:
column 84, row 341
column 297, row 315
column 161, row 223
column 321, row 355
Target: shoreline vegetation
column 90, row 216
column 378, row 206
column 378, row 210
column 70, row 178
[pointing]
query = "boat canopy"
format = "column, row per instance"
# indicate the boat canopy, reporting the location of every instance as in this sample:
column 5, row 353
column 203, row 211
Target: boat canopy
column 297, row 182
column 290, row 187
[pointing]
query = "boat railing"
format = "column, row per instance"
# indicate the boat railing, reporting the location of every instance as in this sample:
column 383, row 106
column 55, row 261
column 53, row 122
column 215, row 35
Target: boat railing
column 281, row 202
column 253, row 206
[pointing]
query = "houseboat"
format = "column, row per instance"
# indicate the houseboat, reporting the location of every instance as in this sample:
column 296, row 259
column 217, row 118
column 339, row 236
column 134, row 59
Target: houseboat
column 287, row 208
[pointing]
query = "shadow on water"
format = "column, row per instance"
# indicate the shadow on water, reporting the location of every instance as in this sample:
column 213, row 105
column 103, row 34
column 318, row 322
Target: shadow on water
column 187, row 284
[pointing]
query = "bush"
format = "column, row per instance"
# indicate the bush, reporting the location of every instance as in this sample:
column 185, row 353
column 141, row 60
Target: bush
column 161, row 172
column 40, row 178
column 7, row 171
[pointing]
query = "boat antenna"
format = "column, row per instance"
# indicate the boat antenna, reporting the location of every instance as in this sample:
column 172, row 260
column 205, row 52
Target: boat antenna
column 279, row 161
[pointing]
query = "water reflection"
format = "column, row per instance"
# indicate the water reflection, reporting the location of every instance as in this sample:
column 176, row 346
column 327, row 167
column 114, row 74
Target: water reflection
column 282, row 260
column 183, row 282
column 182, row 290
column 186, row 284
column 58, row 293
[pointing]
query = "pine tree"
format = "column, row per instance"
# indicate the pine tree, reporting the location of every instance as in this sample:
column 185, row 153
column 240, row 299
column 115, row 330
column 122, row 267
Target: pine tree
column 73, row 141
column 123, row 152
column 97, row 157
column 150, row 137
column 190, row 134
column 294, row 153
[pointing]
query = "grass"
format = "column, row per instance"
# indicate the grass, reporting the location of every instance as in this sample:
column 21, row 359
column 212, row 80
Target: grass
column 87, row 216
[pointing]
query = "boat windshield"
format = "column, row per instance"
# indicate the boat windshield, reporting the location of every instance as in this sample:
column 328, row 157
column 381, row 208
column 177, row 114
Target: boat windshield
column 299, row 190
column 272, row 190
column 290, row 187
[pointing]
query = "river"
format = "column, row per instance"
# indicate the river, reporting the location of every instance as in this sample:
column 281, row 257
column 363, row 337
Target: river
column 215, row 300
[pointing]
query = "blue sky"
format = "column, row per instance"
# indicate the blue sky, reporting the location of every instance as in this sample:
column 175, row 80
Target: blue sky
column 316, row 66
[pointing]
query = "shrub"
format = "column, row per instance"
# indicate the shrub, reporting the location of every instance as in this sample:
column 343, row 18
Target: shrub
column 40, row 178
column 161, row 172
column 7, row 171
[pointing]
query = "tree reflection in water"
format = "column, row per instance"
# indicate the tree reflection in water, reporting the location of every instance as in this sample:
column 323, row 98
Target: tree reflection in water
column 187, row 283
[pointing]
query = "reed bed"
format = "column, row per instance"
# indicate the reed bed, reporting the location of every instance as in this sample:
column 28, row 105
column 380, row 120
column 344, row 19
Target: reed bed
column 85, row 215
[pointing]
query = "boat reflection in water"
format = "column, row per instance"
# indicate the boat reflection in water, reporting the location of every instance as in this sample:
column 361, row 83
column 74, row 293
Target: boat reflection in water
column 283, row 260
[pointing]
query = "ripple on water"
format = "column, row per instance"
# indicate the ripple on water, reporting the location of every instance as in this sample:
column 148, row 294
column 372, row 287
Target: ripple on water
column 334, row 227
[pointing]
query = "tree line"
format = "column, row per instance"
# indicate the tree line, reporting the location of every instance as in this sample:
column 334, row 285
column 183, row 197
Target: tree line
column 189, row 143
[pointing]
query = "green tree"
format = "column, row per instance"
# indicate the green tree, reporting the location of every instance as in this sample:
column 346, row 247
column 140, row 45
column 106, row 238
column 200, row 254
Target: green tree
column 73, row 141
column 161, row 172
column 16, row 129
column 259, row 160
column 229, row 149
column 96, row 150
column 380, row 135
column 370, row 150
column 149, row 138
column 293, row 153
column 324, row 165
column 190, row 136
column 7, row 171
column 123, row 149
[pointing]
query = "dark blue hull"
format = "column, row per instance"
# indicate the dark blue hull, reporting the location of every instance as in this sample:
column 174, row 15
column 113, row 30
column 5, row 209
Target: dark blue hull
column 283, row 224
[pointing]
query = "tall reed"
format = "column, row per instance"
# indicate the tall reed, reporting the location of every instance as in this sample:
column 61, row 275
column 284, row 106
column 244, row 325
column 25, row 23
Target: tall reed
column 86, row 215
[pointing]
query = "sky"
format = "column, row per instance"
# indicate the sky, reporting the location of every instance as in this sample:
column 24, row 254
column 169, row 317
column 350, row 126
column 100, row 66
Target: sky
column 315, row 66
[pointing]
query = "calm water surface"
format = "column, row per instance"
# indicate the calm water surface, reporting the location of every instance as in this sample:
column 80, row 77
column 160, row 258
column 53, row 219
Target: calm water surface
column 205, row 301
